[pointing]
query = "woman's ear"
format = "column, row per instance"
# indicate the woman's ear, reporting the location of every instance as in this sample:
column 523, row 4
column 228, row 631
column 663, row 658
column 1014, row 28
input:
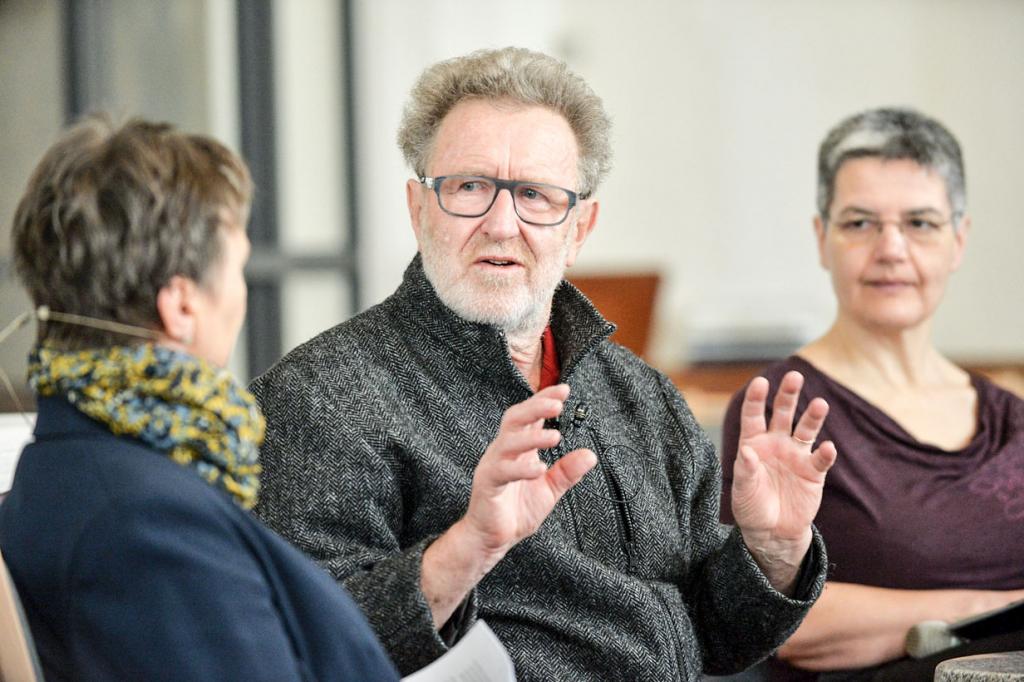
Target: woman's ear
column 819, row 237
column 176, row 305
column 961, row 232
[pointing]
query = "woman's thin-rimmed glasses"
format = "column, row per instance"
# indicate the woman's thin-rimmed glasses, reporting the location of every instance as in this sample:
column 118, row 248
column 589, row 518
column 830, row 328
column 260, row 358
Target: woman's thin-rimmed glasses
column 859, row 229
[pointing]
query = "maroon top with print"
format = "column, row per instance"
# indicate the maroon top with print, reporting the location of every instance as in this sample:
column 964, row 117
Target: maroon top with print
column 900, row 513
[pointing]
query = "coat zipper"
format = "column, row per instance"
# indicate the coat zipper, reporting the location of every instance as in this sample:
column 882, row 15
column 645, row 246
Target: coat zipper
column 555, row 454
column 622, row 514
column 623, row 523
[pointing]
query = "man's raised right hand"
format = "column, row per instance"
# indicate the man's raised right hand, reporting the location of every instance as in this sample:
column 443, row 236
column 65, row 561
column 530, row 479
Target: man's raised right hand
column 513, row 492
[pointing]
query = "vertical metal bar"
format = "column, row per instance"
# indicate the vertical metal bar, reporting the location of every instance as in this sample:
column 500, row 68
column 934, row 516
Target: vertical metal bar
column 263, row 326
column 72, row 28
column 348, row 89
column 87, row 57
column 258, row 120
column 258, row 138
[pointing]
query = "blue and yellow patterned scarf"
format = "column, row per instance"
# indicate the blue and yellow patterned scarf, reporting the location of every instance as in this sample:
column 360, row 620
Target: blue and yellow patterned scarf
column 173, row 402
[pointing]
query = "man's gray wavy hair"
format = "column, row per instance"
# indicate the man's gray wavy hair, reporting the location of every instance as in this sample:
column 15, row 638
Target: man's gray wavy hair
column 893, row 134
column 518, row 75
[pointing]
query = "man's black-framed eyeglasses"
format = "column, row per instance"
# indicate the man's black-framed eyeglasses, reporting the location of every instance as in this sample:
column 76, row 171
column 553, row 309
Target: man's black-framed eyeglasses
column 471, row 196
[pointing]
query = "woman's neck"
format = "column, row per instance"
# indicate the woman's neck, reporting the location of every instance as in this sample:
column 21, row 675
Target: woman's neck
column 870, row 358
column 903, row 375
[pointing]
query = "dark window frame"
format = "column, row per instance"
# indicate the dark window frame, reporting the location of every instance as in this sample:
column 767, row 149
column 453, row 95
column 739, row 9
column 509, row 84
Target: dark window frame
column 269, row 267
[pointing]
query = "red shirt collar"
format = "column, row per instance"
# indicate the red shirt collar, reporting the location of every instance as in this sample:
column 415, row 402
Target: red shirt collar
column 550, row 372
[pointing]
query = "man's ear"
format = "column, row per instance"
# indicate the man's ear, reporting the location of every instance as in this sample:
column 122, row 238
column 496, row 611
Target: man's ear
column 176, row 305
column 414, row 200
column 583, row 225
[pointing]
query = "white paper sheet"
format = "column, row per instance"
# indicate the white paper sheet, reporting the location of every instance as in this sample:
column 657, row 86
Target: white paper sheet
column 478, row 657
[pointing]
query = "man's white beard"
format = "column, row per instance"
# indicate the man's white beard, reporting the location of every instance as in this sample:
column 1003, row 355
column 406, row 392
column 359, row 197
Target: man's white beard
column 490, row 300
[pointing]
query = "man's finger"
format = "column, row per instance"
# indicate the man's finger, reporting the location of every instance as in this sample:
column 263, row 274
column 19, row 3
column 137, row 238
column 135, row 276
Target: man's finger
column 542, row 405
column 824, row 457
column 560, row 391
column 746, row 463
column 786, row 398
column 744, row 472
column 752, row 412
column 811, row 421
column 512, row 470
column 511, row 444
column 569, row 470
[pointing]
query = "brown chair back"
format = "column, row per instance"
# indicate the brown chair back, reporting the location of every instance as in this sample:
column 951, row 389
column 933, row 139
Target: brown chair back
column 625, row 299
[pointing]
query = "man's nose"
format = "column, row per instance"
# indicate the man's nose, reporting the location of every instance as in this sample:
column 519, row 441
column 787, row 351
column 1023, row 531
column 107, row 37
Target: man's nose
column 501, row 222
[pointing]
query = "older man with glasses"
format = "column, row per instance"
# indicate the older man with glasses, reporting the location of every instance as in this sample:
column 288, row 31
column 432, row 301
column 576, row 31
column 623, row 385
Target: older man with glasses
column 475, row 446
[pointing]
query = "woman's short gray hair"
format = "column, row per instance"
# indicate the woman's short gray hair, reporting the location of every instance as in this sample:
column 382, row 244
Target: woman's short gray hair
column 515, row 74
column 111, row 213
column 893, row 134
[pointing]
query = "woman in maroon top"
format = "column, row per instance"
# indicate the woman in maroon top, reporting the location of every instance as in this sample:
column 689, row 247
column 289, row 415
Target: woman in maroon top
column 923, row 514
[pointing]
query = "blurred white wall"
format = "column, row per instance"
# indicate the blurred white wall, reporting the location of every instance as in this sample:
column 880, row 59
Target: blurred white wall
column 310, row 174
column 31, row 112
column 719, row 107
column 394, row 42
column 171, row 61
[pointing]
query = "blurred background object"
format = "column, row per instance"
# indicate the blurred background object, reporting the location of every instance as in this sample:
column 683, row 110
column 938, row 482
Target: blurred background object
column 718, row 108
column 627, row 300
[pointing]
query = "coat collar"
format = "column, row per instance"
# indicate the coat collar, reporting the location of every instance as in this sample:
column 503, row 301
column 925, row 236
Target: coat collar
column 57, row 417
column 577, row 326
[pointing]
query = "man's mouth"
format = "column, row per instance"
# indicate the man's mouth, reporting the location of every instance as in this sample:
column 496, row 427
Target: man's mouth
column 499, row 262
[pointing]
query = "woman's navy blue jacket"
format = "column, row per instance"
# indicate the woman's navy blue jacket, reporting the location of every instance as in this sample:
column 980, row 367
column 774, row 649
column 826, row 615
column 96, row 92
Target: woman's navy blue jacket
column 131, row 567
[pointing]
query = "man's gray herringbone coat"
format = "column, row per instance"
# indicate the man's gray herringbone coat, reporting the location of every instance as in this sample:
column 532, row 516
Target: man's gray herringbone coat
column 375, row 428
